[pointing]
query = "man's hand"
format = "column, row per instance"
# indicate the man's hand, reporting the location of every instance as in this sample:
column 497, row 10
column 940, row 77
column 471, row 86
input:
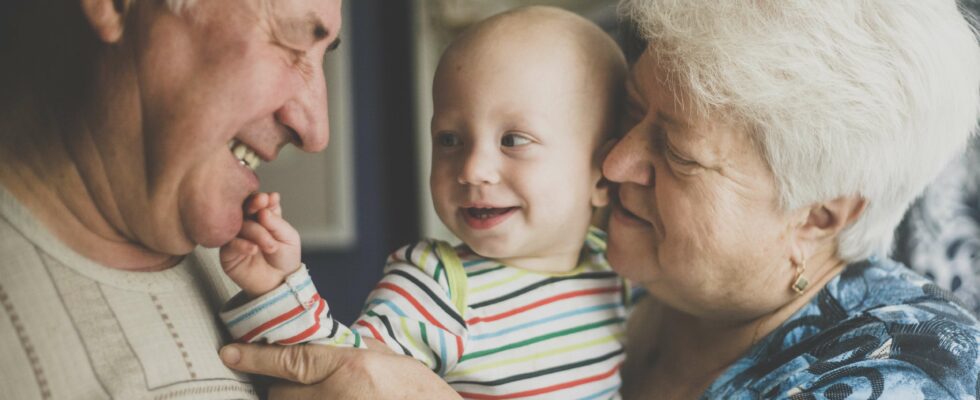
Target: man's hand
column 327, row 372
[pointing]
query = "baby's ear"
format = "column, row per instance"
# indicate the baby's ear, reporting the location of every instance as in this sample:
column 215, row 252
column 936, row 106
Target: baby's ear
column 600, row 193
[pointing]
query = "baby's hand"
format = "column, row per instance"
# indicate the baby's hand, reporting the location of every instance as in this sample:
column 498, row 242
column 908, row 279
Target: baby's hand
column 266, row 250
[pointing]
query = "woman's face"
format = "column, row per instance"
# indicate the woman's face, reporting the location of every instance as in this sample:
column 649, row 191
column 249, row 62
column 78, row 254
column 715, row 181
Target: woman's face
column 697, row 220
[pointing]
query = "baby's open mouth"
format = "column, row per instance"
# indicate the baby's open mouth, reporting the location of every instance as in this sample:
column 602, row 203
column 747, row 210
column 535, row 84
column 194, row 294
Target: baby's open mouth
column 487, row 213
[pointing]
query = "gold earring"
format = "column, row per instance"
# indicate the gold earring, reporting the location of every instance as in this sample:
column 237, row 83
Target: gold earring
column 800, row 284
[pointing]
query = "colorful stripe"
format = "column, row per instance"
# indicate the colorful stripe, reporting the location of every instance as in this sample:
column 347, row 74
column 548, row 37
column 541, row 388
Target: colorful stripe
column 525, row 334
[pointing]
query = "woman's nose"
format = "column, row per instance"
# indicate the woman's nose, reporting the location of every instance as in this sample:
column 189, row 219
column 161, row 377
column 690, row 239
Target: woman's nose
column 630, row 160
column 479, row 168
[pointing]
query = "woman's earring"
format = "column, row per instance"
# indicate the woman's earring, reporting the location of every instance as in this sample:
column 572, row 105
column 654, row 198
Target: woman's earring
column 800, row 283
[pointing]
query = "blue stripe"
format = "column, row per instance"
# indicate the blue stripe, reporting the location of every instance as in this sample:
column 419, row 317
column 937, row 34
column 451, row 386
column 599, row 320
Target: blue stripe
column 390, row 304
column 442, row 351
column 602, row 394
column 269, row 302
column 546, row 320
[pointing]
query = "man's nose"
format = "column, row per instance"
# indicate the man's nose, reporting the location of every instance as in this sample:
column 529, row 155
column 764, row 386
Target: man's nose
column 306, row 114
column 630, row 160
column 479, row 168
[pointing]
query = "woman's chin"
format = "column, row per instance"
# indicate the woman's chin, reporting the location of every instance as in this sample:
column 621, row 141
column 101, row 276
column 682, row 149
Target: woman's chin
column 629, row 254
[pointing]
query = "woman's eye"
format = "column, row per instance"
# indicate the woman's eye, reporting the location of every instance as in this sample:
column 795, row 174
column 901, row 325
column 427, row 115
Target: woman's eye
column 447, row 140
column 676, row 158
column 512, row 140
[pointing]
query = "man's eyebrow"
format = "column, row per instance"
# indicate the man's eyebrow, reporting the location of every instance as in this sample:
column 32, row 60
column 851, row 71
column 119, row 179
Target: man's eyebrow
column 302, row 31
column 669, row 120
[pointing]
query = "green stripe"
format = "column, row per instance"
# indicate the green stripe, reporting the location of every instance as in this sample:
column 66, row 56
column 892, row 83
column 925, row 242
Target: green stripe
column 410, row 337
column 520, row 360
column 533, row 340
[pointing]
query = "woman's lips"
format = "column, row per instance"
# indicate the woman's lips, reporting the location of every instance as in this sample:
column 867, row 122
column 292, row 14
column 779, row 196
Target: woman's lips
column 623, row 215
column 486, row 217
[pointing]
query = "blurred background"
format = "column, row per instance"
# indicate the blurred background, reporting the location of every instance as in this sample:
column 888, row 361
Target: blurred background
column 367, row 194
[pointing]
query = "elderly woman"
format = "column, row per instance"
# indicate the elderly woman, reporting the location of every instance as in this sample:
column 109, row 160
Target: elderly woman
column 773, row 147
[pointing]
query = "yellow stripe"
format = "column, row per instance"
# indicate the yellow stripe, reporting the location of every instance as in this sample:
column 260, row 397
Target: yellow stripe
column 342, row 338
column 410, row 336
column 422, row 259
column 472, row 370
column 455, row 274
column 491, row 285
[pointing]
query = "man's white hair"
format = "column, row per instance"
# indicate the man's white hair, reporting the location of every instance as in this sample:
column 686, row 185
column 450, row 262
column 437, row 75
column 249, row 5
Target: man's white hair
column 179, row 6
column 867, row 97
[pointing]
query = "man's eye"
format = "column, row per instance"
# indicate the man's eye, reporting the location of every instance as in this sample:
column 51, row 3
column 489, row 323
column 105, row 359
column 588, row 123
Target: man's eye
column 634, row 113
column 514, row 140
column 447, row 140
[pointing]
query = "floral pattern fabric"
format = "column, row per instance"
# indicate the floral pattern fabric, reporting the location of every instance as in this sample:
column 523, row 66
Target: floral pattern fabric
column 877, row 331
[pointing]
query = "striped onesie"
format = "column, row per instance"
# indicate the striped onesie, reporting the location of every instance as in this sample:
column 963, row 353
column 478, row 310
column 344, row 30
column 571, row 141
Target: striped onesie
column 490, row 330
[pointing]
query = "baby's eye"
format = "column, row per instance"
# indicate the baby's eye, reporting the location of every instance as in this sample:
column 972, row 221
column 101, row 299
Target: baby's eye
column 446, row 139
column 514, row 140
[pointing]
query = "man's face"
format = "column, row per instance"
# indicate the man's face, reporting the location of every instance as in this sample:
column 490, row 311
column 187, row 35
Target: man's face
column 218, row 88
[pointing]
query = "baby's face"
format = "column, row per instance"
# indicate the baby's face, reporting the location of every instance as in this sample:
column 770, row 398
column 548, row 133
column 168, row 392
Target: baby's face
column 514, row 164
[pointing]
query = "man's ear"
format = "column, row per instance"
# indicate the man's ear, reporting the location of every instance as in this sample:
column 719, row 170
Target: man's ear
column 106, row 18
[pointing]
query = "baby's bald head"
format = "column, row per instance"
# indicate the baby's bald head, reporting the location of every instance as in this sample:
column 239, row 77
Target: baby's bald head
column 522, row 103
column 541, row 41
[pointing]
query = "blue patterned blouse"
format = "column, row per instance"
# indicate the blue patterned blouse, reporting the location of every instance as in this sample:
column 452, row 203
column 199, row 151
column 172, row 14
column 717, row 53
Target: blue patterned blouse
column 877, row 331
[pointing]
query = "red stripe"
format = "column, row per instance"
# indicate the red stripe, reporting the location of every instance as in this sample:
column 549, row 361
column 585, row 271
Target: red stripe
column 309, row 331
column 459, row 347
column 543, row 390
column 276, row 321
column 415, row 303
column 539, row 303
column 374, row 332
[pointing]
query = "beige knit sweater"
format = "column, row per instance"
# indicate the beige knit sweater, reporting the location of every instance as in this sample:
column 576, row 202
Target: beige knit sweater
column 73, row 329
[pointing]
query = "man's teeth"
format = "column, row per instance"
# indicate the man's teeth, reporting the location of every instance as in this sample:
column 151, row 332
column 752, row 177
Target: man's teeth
column 245, row 155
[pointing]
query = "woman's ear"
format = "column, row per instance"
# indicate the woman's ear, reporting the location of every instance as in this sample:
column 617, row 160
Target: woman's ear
column 106, row 17
column 826, row 219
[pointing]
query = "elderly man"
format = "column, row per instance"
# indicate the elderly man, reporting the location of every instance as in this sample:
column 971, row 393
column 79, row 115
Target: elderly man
column 129, row 133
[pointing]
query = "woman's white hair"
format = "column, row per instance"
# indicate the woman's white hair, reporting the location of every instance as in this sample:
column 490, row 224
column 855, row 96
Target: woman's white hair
column 867, row 97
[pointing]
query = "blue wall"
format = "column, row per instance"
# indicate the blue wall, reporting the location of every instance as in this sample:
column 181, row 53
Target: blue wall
column 384, row 154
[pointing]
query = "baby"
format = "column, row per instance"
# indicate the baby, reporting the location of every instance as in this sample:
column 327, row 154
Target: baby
column 527, row 306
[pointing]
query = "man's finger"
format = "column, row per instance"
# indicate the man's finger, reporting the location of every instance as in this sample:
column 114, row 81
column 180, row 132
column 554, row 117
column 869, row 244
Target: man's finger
column 306, row 364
